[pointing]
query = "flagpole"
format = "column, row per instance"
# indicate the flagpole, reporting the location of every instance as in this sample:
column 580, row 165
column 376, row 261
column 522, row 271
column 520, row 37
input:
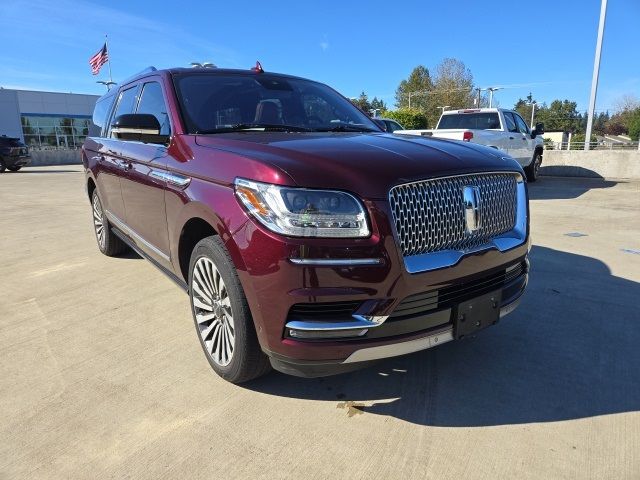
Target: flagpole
column 106, row 43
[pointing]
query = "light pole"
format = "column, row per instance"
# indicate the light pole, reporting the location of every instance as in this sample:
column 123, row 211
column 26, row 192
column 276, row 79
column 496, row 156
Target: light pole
column 533, row 111
column 596, row 74
column 491, row 90
column 106, row 84
column 444, row 108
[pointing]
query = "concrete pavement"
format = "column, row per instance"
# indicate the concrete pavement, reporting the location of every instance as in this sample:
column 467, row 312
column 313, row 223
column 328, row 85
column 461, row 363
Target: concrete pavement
column 102, row 376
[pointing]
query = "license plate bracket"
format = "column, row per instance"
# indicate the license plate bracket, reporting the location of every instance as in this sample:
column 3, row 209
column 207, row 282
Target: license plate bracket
column 478, row 313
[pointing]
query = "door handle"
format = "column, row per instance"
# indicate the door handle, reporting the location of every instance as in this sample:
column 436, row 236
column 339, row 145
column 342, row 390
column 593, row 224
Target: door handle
column 511, row 138
column 524, row 138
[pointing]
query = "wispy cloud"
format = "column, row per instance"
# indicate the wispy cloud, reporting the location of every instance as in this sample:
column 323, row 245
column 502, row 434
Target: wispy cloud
column 72, row 31
column 324, row 44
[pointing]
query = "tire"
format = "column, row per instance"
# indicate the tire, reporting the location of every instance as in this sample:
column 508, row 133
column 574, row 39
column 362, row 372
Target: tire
column 108, row 242
column 14, row 168
column 221, row 314
column 533, row 170
column 2, row 166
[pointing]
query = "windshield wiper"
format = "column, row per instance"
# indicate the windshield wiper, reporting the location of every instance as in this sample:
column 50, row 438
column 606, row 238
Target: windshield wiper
column 346, row 128
column 268, row 127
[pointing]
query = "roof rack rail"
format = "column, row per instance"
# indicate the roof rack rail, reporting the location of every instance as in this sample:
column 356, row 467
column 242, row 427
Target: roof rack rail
column 141, row 72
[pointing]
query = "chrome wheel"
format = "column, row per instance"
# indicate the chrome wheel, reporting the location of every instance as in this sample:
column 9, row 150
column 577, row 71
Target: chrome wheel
column 212, row 309
column 98, row 222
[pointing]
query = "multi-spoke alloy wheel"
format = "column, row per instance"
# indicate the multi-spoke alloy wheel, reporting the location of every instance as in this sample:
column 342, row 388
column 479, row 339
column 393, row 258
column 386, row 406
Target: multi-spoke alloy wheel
column 221, row 314
column 98, row 222
column 212, row 308
column 108, row 242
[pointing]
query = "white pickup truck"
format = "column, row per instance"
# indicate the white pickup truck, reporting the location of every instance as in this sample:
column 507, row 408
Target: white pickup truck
column 493, row 127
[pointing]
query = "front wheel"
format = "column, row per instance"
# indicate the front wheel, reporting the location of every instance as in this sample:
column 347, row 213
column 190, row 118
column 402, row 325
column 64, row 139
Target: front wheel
column 14, row 168
column 221, row 314
column 2, row 166
column 533, row 170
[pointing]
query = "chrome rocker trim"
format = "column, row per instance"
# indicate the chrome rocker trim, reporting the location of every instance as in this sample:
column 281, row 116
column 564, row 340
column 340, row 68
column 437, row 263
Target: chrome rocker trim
column 336, row 262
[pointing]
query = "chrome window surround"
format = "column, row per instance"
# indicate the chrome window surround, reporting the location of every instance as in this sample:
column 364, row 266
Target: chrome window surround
column 434, row 260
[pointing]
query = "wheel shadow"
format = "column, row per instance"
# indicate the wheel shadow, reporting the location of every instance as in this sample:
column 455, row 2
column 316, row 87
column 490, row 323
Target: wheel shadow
column 569, row 352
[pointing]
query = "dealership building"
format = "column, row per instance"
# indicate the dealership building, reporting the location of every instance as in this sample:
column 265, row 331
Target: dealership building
column 46, row 120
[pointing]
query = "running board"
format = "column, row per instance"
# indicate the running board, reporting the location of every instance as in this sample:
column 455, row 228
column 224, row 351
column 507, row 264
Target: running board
column 173, row 277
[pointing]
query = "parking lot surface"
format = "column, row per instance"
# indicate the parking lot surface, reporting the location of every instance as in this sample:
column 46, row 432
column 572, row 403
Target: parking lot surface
column 102, row 376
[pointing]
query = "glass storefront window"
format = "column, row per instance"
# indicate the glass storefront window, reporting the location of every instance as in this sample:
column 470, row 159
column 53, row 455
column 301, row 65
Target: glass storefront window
column 42, row 131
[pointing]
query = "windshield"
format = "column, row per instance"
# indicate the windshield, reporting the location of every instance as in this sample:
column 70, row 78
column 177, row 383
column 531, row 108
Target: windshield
column 218, row 103
column 472, row 121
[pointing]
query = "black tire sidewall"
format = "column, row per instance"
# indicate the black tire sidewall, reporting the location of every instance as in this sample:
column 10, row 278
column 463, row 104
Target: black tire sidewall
column 213, row 249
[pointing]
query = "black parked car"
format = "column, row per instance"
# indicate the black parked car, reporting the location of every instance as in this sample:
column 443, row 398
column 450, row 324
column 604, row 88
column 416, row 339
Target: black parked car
column 13, row 154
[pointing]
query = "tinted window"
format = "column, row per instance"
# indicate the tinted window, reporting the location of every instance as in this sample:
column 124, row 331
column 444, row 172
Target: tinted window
column 218, row 102
column 392, row 126
column 152, row 102
column 476, row 121
column 126, row 102
column 511, row 123
column 100, row 114
column 521, row 125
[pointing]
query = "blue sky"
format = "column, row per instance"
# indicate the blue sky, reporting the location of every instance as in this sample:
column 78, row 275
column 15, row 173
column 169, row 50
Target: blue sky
column 544, row 46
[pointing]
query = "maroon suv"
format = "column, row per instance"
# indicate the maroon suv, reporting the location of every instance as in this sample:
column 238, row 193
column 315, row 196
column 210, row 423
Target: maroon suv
column 307, row 238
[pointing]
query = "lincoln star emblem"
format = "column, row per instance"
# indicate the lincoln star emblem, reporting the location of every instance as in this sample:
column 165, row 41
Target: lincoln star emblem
column 471, row 200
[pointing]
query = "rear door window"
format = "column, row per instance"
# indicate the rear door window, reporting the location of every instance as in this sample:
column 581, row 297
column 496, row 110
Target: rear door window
column 100, row 115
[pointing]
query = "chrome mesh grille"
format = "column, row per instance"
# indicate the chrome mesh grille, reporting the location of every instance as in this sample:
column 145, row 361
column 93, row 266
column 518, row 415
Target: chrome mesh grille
column 430, row 216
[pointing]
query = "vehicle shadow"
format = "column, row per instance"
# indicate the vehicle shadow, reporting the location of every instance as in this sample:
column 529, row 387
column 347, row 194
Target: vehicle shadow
column 553, row 188
column 569, row 352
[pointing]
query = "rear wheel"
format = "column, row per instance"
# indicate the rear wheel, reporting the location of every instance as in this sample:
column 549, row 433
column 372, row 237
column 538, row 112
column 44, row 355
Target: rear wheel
column 221, row 315
column 2, row 165
column 533, row 170
column 108, row 242
column 14, row 168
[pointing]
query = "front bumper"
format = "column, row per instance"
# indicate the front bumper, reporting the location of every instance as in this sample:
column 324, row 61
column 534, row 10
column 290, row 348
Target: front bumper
column 278, row 281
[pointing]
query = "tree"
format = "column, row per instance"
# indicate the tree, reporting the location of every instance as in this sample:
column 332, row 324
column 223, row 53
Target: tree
column 523, row 107
column 418, row 84
column 634, row 125
column 362, row 102
column 378, row 104
column 561, row 115
column 453, row 84
column 409, row 118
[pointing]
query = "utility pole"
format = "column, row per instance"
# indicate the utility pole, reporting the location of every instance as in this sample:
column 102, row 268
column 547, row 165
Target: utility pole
column 478, row 89
column 596, row 75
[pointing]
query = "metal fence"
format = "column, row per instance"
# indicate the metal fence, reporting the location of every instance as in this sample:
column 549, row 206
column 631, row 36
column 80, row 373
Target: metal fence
column 592, row 146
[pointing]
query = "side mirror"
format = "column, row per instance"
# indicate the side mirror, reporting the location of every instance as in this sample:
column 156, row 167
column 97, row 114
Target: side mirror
column 539, row 130
column 138, row 127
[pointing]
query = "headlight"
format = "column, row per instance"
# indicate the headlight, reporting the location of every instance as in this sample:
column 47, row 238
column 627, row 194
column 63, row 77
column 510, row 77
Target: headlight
column 302, row 212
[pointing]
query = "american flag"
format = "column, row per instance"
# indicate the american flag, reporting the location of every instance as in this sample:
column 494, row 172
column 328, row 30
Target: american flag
column 99, row 59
